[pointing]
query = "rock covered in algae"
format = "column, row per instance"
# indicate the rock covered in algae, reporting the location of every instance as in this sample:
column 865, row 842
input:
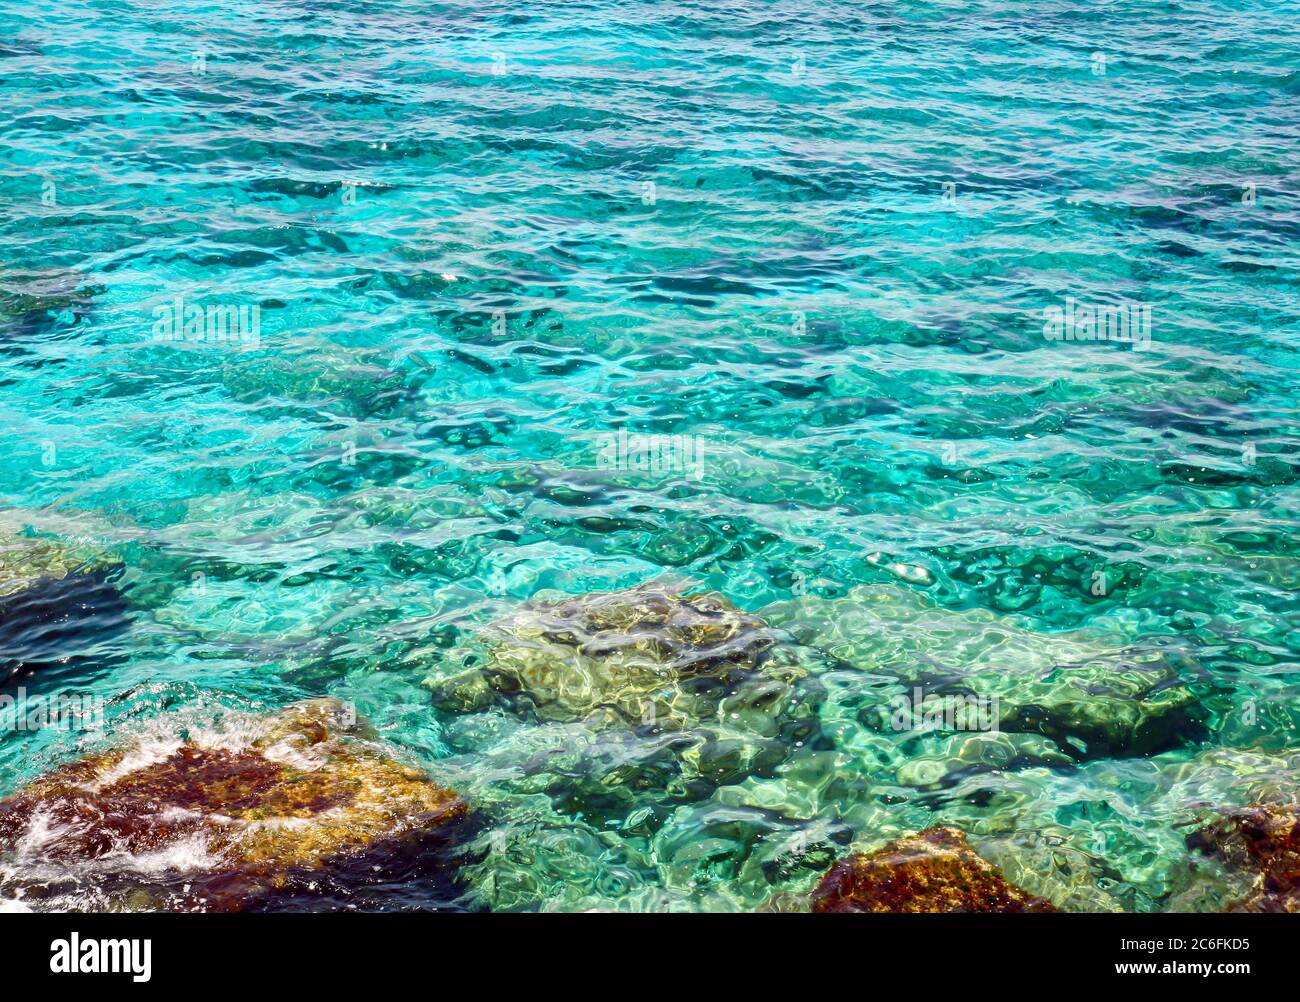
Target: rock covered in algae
column 235, row 814
column 1264, row 839
column 1092, row 696
column 646, row 655
column 935, row 871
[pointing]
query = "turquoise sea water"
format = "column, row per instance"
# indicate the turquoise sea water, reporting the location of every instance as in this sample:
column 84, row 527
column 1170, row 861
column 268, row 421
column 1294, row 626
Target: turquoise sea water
column 804, row 251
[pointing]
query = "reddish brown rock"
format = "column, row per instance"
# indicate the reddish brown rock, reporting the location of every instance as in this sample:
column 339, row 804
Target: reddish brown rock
column 225, row 817
column 1264, row 838
column 935, row 871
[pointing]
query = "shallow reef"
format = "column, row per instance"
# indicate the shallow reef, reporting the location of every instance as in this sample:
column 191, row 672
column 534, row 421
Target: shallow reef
column 654, row 748
column 712, row 745
column 222, row 819
column 934, row 871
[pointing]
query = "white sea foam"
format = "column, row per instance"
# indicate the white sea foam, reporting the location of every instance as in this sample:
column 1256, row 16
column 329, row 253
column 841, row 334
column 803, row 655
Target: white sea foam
column 186, row 855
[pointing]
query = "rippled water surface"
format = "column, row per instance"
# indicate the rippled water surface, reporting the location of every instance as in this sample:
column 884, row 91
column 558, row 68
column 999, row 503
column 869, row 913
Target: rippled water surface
column 801, row 253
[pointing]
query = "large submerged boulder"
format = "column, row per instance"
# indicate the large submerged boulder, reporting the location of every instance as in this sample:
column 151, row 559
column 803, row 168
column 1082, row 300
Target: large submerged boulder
column 621, row 709
column 220, row 819
column 935, row 871
column 1263, row 839
column 1093, row 696
column 648, row 655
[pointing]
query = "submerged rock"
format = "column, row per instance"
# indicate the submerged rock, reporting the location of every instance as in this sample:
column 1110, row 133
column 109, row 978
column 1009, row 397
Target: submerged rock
column 621, row 708
column 1092, row 697
column 1262, row 838
column 353, row 380
column 950, row 758
column 27, row 561
column 935, row 871
column 221, row 819
column 31, row 300
column 647, row 655
column 55, row 599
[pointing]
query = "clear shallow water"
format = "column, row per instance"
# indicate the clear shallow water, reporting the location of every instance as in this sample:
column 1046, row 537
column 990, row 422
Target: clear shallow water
column 575, row 219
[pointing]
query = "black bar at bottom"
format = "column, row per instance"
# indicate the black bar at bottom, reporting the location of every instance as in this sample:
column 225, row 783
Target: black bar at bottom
column 606, row 953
